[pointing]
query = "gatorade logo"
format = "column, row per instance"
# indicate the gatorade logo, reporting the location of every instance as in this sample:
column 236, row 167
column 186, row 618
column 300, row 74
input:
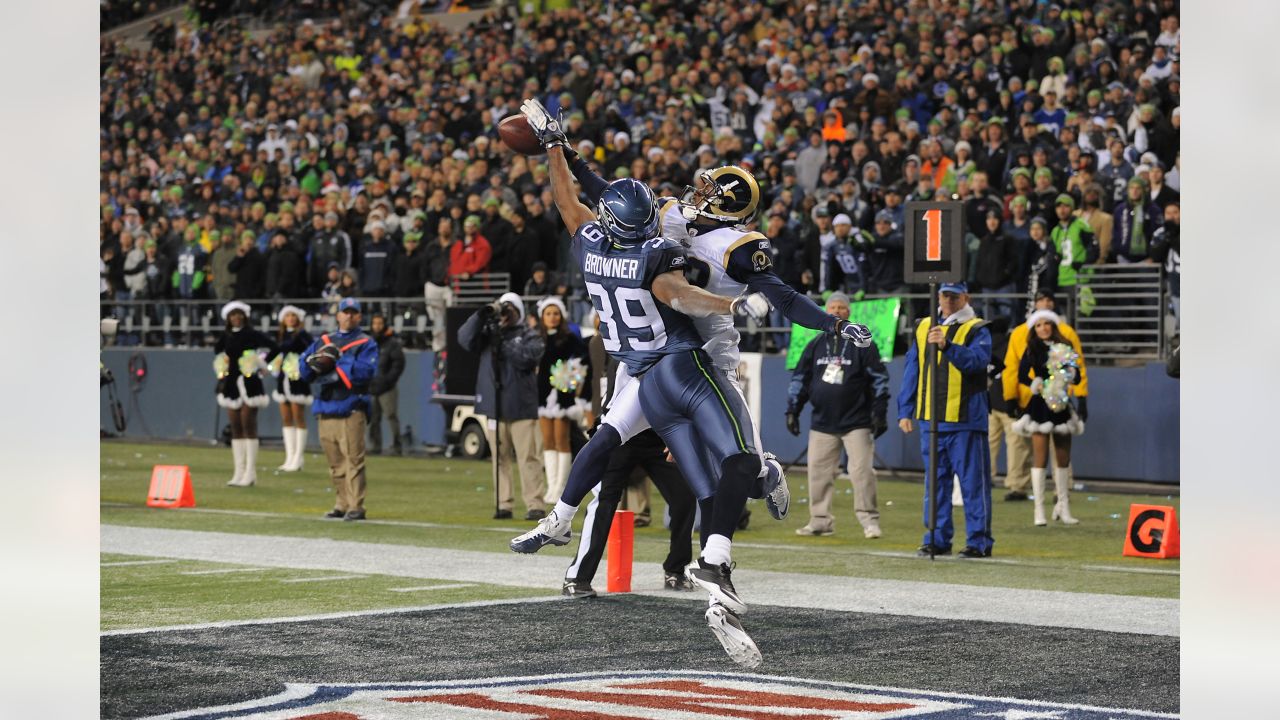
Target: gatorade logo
column 1152, row 532
column 1155, row 533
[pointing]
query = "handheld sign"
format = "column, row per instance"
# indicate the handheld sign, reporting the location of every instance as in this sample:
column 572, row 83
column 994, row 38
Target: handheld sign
column 934, row 242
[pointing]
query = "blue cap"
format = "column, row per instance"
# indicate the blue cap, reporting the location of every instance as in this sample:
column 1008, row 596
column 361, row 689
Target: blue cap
column 349, row 304
column 957, row 287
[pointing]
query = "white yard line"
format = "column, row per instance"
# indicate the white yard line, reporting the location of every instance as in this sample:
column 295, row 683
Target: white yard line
column 324, row 579
column 1113, row 613
column 330, row 616
column 124, row 563
column 223, row 571
column 422, row 588
column 1116, row 568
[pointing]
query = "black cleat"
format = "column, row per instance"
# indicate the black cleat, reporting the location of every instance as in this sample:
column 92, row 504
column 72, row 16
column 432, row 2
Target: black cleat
column 928, row 550
column 973, row 552
column 716, row 581
column 335, row 514
column 677, row 582
column 1014, row 496
column 575, row 589
column 353, row 515
column 502, row 515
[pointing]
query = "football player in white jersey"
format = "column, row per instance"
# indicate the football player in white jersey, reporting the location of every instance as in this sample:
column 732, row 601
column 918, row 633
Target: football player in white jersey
column 729, row 260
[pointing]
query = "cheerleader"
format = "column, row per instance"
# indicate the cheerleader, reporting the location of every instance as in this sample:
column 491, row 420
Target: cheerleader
column 240, row 357
column 564, row 375
column 291, row 393
column 1048, row 368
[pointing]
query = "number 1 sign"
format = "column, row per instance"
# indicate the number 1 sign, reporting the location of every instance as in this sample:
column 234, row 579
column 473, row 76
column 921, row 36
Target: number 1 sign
column 934, row 242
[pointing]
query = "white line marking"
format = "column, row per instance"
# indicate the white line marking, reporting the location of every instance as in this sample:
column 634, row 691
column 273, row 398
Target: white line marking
column 1149, row 571
column 223, row 571
column 330, row 616
column 545, row 572
column 323, row 579
column 123, row 563
column 446, row 586
column 663, row 541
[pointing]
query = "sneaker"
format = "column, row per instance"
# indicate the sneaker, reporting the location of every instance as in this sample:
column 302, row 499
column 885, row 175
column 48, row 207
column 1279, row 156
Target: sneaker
column 809, row 531
column 535, row 514
column 677, row 582
column 777, row 496
column 1014, row 496
column 502, row 515
column 973, row 552
column 575, row 589
column 928, row 550
column 549, row 531
column 642, row 521
column 716, row 581
column 871, row 533
column 733, row 638
column 335, row 514
column 353, row 515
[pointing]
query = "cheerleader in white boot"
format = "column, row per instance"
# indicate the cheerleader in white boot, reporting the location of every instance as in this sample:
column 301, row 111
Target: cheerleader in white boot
column 563, row 377
column 240, row 359
column 1049, row 368
column 293, row 395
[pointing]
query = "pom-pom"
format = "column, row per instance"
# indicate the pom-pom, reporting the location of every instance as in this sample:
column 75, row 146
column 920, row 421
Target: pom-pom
column 221, row 365
column 567, row 376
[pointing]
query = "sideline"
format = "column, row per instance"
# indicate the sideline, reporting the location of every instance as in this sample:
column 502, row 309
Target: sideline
column 1044, row 608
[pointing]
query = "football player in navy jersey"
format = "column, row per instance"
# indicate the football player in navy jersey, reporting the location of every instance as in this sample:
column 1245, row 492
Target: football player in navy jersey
column 636, row 282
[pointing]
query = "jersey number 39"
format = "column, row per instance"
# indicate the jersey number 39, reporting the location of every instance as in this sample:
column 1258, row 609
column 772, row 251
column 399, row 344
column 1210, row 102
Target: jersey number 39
column 619, row 321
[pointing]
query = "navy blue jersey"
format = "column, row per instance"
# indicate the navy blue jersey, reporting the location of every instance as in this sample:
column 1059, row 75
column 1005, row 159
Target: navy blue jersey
column 636, row 328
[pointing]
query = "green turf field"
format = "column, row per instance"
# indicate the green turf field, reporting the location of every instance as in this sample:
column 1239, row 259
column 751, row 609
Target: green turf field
column 448, row 504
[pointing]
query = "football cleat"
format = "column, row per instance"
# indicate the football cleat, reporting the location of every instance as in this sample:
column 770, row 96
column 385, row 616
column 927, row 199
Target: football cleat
column 716, row 581
column 777, row 496
column 575, row 589
column 550, row 530
column 733, row 638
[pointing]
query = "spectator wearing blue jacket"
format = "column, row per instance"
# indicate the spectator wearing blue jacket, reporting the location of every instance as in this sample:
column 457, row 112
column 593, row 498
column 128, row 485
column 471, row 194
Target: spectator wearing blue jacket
column 342, row 405
column 964, row 344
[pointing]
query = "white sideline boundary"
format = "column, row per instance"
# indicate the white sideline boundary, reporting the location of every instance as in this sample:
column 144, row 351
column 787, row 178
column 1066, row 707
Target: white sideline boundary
column 756, row 546
column 1109, row 613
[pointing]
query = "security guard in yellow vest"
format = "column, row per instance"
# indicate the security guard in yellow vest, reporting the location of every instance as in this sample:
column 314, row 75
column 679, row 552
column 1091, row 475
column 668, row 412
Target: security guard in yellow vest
column 965, row 350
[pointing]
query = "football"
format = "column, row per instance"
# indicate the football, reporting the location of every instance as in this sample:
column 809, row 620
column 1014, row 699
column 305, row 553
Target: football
column 324, row 360
column 517, row 135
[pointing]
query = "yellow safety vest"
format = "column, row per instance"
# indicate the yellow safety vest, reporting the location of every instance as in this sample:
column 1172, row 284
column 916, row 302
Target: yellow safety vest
column 954, row 385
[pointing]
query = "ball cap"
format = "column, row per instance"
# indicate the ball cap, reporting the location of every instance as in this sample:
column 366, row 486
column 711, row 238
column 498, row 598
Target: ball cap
column 955, row 287
column 349, row 304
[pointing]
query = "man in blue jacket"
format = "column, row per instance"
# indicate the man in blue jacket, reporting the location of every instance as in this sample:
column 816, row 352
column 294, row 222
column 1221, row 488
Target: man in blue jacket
column 964, row 345
column 343, row 364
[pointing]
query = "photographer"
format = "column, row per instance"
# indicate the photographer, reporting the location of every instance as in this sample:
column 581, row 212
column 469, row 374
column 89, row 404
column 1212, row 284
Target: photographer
column 507, row 393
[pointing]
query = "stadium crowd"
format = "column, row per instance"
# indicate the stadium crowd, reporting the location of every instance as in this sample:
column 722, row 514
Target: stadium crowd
column 357, row 154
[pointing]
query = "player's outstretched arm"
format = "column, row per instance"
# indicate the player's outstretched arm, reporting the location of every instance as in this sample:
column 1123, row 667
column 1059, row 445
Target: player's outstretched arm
column 572, row 212
column 675, row 292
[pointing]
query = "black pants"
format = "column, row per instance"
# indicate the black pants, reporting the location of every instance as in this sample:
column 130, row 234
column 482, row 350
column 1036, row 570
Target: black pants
column 645, row 451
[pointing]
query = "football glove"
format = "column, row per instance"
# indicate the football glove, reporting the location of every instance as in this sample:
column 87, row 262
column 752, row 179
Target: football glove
column 793, row 423
column 754, row 306
column 860, row 335
column 547, row 129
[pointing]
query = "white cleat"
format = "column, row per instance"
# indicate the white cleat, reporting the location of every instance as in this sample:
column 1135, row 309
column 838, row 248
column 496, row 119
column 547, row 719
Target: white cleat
column 736, row 642
column 549, row 531
column 778, row 497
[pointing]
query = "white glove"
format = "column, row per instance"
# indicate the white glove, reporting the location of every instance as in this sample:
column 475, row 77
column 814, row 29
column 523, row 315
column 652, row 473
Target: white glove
column 754, row 306
column 860, row 335
column 546, row 128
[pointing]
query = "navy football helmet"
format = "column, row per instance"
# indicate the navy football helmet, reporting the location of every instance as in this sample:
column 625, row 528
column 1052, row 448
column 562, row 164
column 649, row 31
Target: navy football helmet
column 628, row 211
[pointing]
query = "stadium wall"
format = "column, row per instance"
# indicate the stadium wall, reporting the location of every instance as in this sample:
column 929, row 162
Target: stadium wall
column 1132, row 431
